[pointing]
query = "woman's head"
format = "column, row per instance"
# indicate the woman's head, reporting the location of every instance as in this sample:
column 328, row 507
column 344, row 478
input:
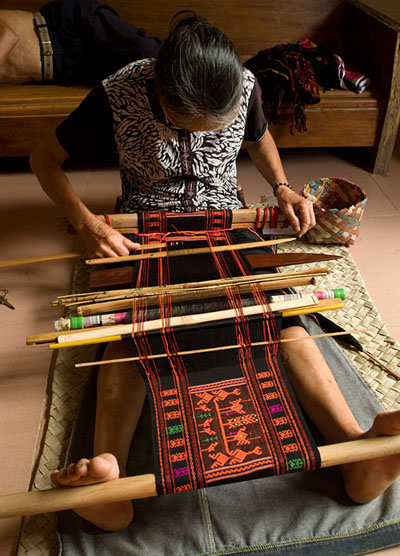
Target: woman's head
column 198, row 74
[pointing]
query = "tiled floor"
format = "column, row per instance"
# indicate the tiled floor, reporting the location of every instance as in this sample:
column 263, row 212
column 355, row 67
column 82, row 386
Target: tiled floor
column 29, row 227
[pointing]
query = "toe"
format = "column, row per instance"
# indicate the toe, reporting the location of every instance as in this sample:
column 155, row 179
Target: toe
column 71, row 472
column 101, row 466
column 62, row 477
column 82, row 467
column 54, row 477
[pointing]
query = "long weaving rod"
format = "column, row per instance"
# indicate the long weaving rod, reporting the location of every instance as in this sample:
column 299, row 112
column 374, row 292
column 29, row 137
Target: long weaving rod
column 188, row 320
column 72, row 299
column 187, row 295
column 322, row 305
column 178, row 296
column 194, row 251
column 144, row 486
column 62, row 256
column 146, row 247
column 240, row 218
column 219, row 348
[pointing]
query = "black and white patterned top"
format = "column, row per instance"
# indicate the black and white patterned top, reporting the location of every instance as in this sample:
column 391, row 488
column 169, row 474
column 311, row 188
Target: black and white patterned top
column 162, row 167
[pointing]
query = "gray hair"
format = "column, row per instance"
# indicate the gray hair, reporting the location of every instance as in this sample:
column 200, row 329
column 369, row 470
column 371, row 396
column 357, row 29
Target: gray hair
column 198, row 72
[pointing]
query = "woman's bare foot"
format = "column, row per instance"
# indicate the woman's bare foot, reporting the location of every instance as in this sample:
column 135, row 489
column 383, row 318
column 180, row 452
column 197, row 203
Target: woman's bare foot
column 102, row 468
column 365, row 480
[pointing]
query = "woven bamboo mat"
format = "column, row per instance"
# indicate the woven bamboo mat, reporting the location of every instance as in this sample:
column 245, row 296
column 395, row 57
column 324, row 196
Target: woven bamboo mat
column 66, row 383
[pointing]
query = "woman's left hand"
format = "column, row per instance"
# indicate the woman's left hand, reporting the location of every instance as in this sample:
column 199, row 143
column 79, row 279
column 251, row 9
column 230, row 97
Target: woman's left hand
column 291, row 203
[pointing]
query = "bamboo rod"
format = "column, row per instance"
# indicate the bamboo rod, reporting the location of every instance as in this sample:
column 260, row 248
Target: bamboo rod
column 194, row 251
column 73, row 299
column 218, row 348
column 282, row 223
column 61, row 256
column 46, row 337
column 144, row 486
column 218, row 291
column 323, row 305
column 128, row 223
column 381, row 364
column 57, row 499
column 240, row 217
column 126, row 304
column 186, row 320
column 45, row 258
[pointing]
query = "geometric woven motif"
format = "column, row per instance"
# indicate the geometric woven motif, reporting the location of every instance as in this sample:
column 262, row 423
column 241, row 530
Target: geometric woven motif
column 222, row 419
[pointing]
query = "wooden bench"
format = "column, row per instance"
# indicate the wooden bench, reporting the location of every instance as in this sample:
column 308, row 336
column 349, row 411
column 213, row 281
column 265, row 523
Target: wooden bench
column 363, row 36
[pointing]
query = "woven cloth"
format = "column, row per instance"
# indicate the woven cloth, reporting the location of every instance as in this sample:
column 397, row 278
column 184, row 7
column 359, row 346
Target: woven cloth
column 196, row 400
column 66, row 384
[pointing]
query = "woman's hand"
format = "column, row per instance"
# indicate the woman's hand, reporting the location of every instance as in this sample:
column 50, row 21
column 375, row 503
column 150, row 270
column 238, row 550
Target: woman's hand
column 102, row 241
column 291, row 203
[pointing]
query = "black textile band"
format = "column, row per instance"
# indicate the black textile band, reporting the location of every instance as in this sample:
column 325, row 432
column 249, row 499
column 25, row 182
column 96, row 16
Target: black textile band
column 185, row 152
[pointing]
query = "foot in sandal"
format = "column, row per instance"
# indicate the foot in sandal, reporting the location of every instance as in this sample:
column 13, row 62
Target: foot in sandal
column 102, row 468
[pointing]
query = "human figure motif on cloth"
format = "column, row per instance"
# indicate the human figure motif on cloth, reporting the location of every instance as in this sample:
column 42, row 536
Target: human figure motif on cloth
column 196, row 88
column 68, row 42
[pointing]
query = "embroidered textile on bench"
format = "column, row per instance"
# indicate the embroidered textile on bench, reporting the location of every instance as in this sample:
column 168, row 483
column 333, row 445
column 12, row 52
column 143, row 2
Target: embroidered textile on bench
column 222, row 416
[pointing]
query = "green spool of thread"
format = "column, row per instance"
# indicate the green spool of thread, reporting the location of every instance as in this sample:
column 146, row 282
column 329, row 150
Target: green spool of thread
column 339, row 293
column 76, row 323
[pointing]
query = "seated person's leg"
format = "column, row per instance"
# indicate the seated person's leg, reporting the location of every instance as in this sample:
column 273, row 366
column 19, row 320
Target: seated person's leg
column 120, row 396
column 121, row 393
column 321, row 398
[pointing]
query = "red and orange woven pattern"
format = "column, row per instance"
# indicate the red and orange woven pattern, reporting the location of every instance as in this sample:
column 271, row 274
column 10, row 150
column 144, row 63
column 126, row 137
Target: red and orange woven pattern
column 223, row 416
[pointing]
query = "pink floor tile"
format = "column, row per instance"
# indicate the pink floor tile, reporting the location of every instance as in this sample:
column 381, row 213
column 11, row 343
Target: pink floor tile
column 389, row 186
column 394, row 331
column 377, row 255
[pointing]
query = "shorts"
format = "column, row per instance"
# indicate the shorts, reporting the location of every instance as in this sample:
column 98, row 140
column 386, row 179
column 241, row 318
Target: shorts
column 91, row 41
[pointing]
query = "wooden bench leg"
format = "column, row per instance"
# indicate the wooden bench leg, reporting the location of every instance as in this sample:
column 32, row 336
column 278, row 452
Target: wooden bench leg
column 384, row 150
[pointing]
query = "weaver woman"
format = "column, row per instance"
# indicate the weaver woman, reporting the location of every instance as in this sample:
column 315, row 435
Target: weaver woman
column 178, row 123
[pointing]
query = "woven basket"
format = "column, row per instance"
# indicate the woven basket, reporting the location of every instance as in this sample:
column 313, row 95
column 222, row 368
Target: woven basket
column 339, row 205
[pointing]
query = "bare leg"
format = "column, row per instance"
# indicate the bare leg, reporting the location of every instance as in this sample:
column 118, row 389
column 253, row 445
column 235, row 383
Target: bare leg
column 120, row 396
column 323, row 401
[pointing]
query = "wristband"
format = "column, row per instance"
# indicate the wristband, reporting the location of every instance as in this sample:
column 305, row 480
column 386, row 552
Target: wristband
column 281, row 183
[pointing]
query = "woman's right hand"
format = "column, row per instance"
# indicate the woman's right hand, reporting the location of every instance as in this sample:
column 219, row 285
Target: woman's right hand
column 103, row 241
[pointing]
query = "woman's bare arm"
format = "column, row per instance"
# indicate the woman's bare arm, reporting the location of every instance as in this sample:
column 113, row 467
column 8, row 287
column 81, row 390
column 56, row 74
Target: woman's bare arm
column 266, row 158
column 100, row 240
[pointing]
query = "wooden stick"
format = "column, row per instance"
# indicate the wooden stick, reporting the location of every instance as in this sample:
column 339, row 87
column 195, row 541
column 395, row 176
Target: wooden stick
column 126, row 304
column 186, row 320
column 61, row 256
column 57, row 499
column 194, row 251
column 73, row 299
column 46, row 337
column 219, row 348
column 45, row 258
column 241, row 217
column 323, row 305
column 381, row 364
column 217, row 291
column 144, row 486
column 282, row 223
column 128, row 223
